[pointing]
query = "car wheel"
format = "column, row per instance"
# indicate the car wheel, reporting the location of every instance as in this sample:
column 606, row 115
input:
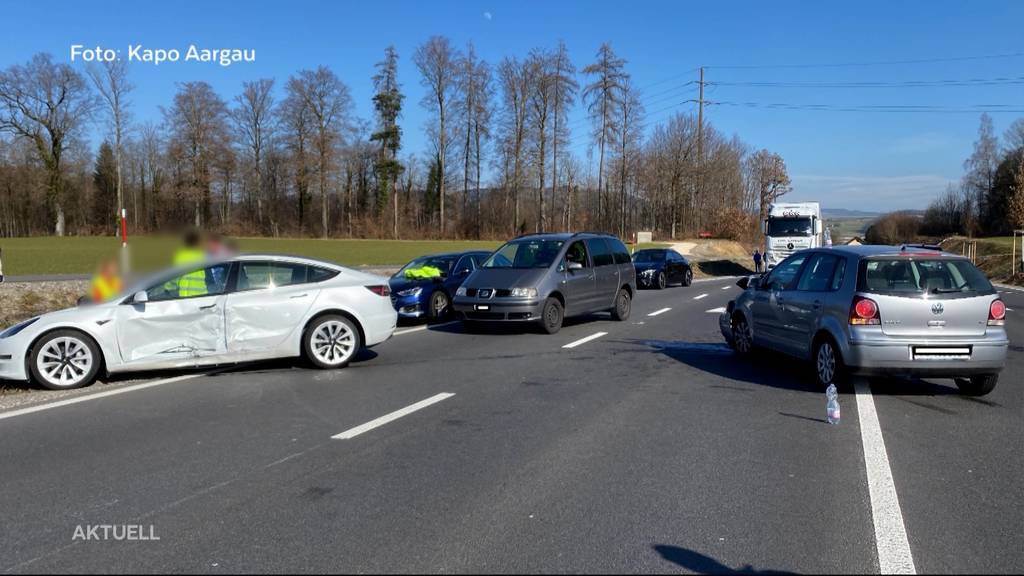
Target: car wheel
column 977, row 385
column 742, row 336
column 623, row 306
column 688, row 277
column 440, row 306
column 65, row 359
column 331, row 341
column 828, row 363
column 552, row 316
column 662, row 281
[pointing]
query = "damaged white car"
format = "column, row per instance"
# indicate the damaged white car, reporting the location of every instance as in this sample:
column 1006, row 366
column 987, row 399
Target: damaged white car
column 252, row 307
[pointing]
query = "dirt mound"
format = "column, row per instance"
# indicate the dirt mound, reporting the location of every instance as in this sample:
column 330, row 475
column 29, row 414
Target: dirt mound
column 712, row 249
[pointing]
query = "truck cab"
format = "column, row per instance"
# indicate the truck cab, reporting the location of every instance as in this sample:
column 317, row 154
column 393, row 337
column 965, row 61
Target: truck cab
column 790, row 227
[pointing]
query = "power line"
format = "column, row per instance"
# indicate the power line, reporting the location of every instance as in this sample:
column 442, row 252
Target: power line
column 875, row 63
column 875, row 84
column 901, row 108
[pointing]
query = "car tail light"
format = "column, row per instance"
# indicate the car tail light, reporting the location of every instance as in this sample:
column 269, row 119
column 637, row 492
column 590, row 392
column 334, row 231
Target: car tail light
column 997, row 313
column 864, row 312
column 380, row 290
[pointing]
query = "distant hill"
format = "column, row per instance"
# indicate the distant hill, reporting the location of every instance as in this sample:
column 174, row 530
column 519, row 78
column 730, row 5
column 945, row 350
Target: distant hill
column 835, row 213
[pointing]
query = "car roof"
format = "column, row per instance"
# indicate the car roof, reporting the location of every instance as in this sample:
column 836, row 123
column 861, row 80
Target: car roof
column 564, row 235
column 870, row 250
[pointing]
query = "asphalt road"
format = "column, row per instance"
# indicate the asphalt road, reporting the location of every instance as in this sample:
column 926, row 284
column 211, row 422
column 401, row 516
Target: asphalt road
column 651, row 448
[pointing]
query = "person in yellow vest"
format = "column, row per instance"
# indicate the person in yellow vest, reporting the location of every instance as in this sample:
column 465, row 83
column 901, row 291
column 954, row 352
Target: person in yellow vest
column 106, row 282
column 193, row 283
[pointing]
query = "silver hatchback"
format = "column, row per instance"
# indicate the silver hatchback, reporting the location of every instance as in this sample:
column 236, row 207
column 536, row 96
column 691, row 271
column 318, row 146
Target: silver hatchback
column 876, row 310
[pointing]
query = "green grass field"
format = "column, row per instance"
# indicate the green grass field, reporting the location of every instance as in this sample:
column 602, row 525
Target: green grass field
column 80, row 255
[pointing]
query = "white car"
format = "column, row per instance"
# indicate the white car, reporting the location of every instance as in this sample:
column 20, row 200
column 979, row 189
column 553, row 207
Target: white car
column 252, row 307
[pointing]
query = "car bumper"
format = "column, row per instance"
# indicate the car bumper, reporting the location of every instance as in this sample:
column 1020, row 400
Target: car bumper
column 646, row 280
column 409, row 307
column 12, row 360
column 380, row 326
column 497, row 310
column 949, row 358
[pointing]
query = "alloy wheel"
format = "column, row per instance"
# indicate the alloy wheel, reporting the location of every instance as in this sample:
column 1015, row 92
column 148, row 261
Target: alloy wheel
column 826, row 363
column 741, row 336
column 333, row 343
column 65, row 362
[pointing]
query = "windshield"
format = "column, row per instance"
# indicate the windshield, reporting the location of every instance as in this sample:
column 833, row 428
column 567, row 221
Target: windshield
column 442, row 263
column 790, row 226
column 646, row 256
column 525, row 254
column 913, row 277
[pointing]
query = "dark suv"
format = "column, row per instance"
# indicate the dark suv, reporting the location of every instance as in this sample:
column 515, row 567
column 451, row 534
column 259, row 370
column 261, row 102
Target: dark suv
column 546, row 277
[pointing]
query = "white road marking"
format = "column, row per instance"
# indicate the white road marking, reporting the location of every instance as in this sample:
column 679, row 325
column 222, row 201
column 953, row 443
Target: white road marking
column 424, row 327
column 662, row 311
column 894, row 556
column 353, row 432
column 718, row 310
column 701, row 296
column 585, row 340
column 97, row 396
column 726, row 287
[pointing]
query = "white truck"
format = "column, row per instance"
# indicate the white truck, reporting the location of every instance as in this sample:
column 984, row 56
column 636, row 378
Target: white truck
column 791, row 226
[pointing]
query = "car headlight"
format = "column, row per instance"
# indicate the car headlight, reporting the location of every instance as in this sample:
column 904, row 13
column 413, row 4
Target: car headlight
column 411, row 291
column 523, row 293
column 461, row 291
column 648, row 272
column 18, row 327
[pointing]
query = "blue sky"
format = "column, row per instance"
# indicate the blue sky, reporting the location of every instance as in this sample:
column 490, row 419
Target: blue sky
column 864, row 160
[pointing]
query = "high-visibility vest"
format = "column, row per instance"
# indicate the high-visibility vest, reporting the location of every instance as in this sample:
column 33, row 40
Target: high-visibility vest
column 193, row 283
column 105, row 287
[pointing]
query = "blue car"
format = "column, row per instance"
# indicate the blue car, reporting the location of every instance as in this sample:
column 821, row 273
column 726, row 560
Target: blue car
column 658, row 267
column 431, row 298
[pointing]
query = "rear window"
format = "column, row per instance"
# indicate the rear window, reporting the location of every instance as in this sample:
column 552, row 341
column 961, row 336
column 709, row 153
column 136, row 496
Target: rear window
column 919, row 276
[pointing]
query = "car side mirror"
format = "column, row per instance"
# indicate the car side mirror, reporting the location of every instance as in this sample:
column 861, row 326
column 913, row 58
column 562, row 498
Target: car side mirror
column 463, row 272
column 140, row 297
column 575, row 266
column 744, row 282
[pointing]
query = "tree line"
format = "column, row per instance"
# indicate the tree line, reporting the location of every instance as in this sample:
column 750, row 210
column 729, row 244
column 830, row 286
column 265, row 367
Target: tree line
column 291, row 158
column 988, row 200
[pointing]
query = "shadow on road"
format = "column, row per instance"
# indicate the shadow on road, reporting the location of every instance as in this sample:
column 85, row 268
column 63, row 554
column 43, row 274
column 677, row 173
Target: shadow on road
column 765, row 368
column 510, row 328
column 701, row 564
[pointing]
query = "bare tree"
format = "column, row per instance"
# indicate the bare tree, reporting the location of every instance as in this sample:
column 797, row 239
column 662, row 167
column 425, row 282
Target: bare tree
column 297, row 125
column 603, row 97
column 766, row 171
column 253, row 121
column 541, row 98
column 329, row 105
column 437, row 62
column 47, row 104
column 111, row 81
column 982, row 166
column 563, row 91
column 1013, row 138
column 474, row 108
column 628, row 136
column 514, row 77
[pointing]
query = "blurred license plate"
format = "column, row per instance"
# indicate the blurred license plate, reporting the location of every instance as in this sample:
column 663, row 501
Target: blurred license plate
column 483, row 307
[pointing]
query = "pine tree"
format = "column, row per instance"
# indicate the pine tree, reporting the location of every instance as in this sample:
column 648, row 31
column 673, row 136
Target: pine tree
column 104, row 178
column 387, row 103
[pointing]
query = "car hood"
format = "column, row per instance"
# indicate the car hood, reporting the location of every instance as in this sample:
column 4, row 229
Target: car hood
column 399, row 283
column 505, row 277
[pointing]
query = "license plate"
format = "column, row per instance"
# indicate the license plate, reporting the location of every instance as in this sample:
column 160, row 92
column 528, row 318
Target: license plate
column 483, row 307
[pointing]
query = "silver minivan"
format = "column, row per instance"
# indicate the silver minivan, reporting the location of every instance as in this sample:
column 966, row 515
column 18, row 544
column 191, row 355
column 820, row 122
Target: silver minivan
column 876, row 310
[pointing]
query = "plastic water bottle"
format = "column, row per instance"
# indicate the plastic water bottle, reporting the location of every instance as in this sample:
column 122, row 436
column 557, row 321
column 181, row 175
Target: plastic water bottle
column 832, row 407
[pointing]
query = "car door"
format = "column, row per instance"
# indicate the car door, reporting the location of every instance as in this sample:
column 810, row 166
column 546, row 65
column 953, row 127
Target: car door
column 606, row 274
column 676, row 268
column 769, row 300
column 176, row 327
column 269, row 301
column 577, row 285
column 804, row 305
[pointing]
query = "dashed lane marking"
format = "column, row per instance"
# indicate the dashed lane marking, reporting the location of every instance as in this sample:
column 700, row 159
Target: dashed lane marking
column 585, row 340
column 363, row 428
